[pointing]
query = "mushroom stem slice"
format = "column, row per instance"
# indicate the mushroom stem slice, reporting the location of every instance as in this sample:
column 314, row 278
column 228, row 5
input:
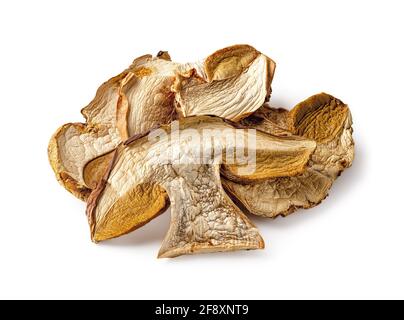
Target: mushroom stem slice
column 180, row 162
column 203, row 218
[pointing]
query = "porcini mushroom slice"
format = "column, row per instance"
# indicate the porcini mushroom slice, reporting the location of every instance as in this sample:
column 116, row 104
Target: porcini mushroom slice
column 271, row 120
column 328, row 121
column 322, row 118
column 183, row 162
column 72, row 146
column 142, row 97
column 280, row 196
column 231, row 83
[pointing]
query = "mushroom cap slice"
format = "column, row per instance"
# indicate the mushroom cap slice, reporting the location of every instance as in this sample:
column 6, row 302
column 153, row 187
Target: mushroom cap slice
column 322, row 118
column 231, row 83
column 72, row 146
column 140, row 94
column 180, row 164
column 141, row 98
column 280, row 196
column 328, row 121
column 271, row 120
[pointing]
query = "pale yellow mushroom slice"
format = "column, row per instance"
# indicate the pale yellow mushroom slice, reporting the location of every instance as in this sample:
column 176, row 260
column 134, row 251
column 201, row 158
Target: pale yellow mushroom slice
column 232, row 83
column 181, row 165
column 328, row 121
column 322, row 118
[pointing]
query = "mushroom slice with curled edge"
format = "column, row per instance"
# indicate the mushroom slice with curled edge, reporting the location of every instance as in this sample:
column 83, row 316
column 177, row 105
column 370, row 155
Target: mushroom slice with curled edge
column 181, row 163
column 328, row 121
column 322, row 118
column 231, row 83
column 280, row 196
column 143, row 97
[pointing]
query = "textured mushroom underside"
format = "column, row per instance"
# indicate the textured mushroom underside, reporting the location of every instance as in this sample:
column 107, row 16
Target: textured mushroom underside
column 150, row 93
column 203, row 218
column 248, row 91
column 322, row 118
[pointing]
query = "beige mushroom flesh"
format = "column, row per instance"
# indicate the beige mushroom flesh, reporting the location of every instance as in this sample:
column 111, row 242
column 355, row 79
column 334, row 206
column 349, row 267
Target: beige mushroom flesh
column 144, row 176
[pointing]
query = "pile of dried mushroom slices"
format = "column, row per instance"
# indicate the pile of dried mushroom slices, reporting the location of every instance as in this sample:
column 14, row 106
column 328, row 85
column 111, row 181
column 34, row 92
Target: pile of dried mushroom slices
column 110, row 161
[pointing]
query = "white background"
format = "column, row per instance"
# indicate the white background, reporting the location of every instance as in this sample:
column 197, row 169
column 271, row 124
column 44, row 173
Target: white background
column 55, row 54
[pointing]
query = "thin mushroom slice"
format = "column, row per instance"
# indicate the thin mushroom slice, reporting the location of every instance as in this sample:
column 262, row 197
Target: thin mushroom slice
column 322, row 118
column 273, row 157
column 180, row 164
column 280, row 196
column 328, row 121
column 72, row 146
column 143, row 97
column 271, row 120
column 231, row 83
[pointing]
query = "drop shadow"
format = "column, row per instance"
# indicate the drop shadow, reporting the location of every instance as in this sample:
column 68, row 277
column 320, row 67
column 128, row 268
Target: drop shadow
column 153, row 234
column 279, row 103
column 246, row 255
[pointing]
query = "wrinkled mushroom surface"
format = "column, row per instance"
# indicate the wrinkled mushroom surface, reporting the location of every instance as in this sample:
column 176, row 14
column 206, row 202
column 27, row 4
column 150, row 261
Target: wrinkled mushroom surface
column 231, row 83
column 271, row 120
column 143, row 176
column 146, row 85
column 322, row 118
column 328, row 121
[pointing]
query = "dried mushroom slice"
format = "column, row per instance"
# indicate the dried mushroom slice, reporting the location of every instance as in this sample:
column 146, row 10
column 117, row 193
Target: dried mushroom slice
column 328, row 121
column 231, row 83
column 322, row 118
column 274, row 157
column 182, row 164
column 270, row 120
column 280, row 196
column 142, row 97
column 72, row 146
column 335, row 156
